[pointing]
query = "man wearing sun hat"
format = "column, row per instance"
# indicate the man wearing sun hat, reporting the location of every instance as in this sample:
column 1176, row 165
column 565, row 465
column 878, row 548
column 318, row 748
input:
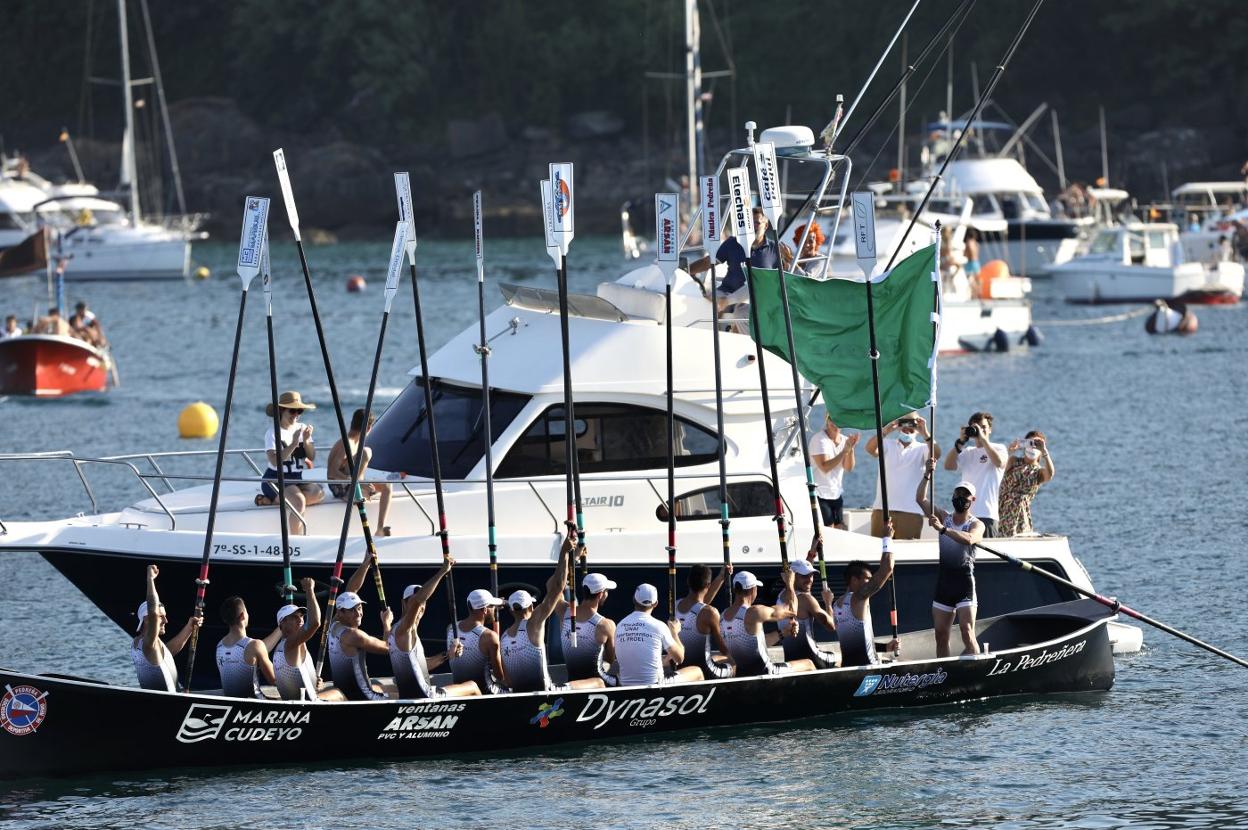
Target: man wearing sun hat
column 523, row 645
column 153, row 658
column 407, row 653
column 479, row 660
column 297, row 454
column 641, row 642
column 955, row 596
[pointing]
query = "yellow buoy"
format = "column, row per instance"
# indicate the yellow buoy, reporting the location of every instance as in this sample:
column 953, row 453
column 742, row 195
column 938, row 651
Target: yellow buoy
column 198, row 420
column 202, row 272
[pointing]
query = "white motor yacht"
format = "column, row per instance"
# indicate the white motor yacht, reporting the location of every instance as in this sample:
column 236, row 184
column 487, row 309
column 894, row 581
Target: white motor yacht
column 1142, row 262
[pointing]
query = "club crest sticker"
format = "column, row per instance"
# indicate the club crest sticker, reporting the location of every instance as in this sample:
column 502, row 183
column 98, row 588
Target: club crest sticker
column 547, row 711
column 22, row 709
column 203, row 722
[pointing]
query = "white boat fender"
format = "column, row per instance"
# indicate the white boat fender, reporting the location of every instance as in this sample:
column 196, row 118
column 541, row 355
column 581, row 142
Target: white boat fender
column 1167, row 320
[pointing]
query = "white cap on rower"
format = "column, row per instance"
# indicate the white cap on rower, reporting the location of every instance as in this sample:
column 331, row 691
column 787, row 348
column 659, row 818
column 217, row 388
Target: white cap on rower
column 409, row 590
column 522, row 598
column 646, row 594
column 286, row 610
column 349, row 600
column 965, row 485
column 142, row 612
column 801, row 567
column 745, row 580
column 482, row 598
column 596, row 583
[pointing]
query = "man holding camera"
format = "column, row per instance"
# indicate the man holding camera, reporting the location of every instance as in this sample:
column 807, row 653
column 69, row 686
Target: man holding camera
column 982, row 463
column 905, row 458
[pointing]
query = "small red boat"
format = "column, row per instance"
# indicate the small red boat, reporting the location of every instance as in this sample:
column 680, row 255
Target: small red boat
column 49, row 365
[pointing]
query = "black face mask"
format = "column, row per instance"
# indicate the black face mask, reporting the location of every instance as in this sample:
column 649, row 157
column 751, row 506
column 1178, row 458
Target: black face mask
column 961, row 503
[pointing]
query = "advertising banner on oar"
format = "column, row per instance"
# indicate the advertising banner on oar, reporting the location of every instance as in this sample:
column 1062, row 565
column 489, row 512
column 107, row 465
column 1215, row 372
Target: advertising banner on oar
column 666, row 233
column 478, row 232
column 288, row 195
column 403, row 192
column 251, row 240
column 548, row 222
column 740, row 207
column 711, row 227
column 831, row 337
column 769, row 197
column 563, row 205
column 395, row 267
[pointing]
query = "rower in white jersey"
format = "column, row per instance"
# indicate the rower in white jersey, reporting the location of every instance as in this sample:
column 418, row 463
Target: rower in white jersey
column 407, row 653
column 699, row 623
column 152, row 658
column 349, row 647
column 594, row 652
column 799, row 641
column 243, row 661
column 647, row 649
column 742, row 626
column 852, row 612
column 480, row 660
column 955, row 595
column 525, row 667
column 292, row 662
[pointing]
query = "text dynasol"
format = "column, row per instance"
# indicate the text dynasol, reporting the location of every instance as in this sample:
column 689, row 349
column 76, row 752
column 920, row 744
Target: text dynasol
column 641, row 711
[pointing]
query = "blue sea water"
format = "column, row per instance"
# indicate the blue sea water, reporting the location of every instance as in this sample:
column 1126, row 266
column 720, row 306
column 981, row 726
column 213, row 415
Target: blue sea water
column 1150, row 467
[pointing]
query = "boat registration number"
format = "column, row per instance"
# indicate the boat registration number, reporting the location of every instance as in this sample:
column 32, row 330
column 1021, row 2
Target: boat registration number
column 253, row 550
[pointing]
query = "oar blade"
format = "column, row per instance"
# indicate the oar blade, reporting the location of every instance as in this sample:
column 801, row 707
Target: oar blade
column 563, row 204
column 403, row 192
column 251, row 239
column 711, row 227
column 741, row 207
column 769, row 197
column 395, row 267
column 478, row 232
column 266, row 275
column 548, row 222
column 863, row 202
column 288, row 195
column 666, row 234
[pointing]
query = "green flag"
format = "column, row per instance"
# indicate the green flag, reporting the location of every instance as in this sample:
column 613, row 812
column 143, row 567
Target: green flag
column 832, row 341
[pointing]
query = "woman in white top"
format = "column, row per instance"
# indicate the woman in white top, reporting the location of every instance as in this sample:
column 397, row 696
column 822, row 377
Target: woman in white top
column 296, row 453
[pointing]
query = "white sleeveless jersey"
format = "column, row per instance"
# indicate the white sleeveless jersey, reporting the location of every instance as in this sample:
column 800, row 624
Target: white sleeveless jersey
column 585, row 659
column 525, row 663
column 350, row 672
column 411, row 670
column 161, row 677
column 749, row 651
column 294, row 682
column 695, row 642
column 237, row 678
column 471, row 664
column 856, row 636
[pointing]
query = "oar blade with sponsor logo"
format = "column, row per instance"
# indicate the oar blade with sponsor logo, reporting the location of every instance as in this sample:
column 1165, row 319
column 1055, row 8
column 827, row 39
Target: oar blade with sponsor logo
column 251, row 243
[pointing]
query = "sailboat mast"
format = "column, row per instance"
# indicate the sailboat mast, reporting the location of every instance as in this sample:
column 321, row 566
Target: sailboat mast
column 693, row 99
column 129, row 161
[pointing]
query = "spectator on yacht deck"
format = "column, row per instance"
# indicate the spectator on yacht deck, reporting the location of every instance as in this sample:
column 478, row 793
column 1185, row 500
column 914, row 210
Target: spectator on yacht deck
column 808, row 260
column 970, row 250
column 1029, row 466
column 764, row 253
column 297, row 454
column 152, row 657
column 54, row 323
column 11, row 328
column 337, row 467
column 980, row 461
column 243, row 661
column 832, row 454
column 904, row 459
column 84, row 325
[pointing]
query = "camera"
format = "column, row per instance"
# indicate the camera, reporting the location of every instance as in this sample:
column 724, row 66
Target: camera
column 972, row 430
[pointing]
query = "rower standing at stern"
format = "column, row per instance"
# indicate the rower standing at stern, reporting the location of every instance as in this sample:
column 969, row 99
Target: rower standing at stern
column 955, row 580
column 640, row 643
column 407, row 653
column 153, row 658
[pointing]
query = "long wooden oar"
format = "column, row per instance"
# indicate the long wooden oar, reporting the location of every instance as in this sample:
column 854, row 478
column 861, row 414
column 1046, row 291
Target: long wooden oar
column 266, row 279
column 557, row 248
column 431, row 420
column 667, row 246
column 710, row 237
column 743, row 229
column 250, row 251
column 336, row 581
column 772, row 202
column 1111, row 602
column 478, row 225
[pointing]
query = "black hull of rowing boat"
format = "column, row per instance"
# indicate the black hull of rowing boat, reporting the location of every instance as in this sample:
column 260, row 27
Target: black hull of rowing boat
column 114, row 582
column 82, row 727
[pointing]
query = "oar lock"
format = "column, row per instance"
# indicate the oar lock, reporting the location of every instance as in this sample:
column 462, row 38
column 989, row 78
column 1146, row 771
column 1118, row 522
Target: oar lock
column 203, row 583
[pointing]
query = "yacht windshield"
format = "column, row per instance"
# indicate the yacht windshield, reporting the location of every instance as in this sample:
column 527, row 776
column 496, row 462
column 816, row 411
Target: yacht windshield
column 400, row 438
column 1105, row 242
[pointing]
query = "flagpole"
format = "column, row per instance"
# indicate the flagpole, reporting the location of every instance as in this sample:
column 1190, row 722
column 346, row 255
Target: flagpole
column 743, row 230
column 558, row 252
column 864, row 237
column 936, row 313
column 484, row 351
column 772, row 202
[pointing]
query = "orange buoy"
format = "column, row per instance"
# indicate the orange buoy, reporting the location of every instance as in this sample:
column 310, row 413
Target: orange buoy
column 356, row 284
column 992, row 269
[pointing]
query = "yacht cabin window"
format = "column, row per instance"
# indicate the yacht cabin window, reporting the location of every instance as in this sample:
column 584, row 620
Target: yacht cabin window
column 1105, row 242
column 610, row 437
column 400, row 438
column 745, row 498
column 984, row 205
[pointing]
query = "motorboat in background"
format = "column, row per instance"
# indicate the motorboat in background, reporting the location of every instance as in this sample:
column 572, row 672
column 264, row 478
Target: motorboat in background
column 1142, row 262
column 49, row 365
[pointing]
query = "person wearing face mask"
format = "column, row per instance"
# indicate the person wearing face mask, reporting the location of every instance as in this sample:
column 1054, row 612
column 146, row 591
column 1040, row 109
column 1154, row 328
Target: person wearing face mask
column 981, row 462
column 904, row 458
column 955, row 596
column 1029, row 466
